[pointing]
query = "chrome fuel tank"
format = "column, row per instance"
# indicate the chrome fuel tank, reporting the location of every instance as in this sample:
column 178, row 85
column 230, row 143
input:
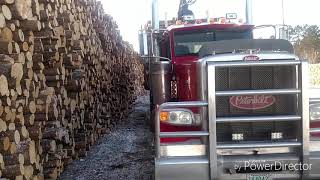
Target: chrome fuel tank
column 161, row 74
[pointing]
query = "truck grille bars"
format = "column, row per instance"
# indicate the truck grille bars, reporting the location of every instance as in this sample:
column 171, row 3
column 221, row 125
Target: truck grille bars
column 303, row 106
column 210, row 104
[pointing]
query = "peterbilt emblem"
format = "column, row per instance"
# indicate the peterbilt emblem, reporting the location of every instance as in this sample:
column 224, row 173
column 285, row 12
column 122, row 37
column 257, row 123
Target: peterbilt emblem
column 251, row 58
column 253, row 102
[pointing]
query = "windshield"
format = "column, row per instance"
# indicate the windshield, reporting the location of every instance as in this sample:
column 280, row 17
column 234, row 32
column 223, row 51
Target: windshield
column 189, row 43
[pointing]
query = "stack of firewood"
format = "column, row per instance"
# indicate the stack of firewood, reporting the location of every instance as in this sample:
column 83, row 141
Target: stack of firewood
column 66, row 78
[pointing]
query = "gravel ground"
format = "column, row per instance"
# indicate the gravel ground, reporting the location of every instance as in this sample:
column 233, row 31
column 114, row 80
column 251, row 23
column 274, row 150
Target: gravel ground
column 125, row 153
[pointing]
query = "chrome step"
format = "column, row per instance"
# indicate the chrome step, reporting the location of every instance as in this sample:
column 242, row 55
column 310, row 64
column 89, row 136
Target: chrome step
column 183, row 160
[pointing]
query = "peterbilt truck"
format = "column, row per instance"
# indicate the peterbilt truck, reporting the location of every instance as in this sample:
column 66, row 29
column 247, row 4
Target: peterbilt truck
column 225, row 105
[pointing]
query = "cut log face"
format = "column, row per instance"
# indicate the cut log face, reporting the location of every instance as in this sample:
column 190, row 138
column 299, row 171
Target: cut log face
column 6, row 1
column 6, row 12
column 2, row 21
column 4, row 89
column 17, row 71
column 18, row 36
column 6, row 35
column 20, row 9
column 66, row 78
column 28, row 171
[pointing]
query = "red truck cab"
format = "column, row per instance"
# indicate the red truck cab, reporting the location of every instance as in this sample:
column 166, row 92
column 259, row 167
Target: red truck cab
column 184, row 42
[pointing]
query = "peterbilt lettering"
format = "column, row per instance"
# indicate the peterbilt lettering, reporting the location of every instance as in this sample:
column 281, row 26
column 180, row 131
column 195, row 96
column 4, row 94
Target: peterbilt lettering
column 251, row 58
column 252, row 102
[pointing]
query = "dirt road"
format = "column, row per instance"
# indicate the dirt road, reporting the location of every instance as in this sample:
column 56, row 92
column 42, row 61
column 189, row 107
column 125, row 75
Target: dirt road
column 124, row 154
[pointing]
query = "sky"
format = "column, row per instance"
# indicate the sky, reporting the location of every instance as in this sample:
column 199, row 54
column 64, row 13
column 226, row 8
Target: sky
column 130, row 15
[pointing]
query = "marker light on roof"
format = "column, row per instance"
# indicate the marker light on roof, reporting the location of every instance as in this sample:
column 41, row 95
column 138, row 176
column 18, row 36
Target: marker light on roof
column 223, row 20
column 231, row 16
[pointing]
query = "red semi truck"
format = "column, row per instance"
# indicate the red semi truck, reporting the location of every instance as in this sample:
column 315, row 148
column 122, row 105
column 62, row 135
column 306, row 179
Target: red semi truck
column 227, row 106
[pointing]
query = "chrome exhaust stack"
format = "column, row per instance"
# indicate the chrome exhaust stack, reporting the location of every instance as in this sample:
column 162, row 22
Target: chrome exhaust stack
column 155, row 14
column 249, row 17
column 155, row 29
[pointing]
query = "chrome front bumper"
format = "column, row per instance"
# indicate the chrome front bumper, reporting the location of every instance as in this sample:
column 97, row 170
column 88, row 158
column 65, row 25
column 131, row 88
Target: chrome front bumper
column 197, row 168
column 186, row 168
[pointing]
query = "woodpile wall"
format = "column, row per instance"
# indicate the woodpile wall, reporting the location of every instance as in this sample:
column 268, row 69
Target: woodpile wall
column 66, row 77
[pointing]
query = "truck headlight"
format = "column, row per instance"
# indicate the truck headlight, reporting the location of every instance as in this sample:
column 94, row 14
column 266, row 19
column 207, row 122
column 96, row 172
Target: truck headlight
column 314, row 112
column 177, row 117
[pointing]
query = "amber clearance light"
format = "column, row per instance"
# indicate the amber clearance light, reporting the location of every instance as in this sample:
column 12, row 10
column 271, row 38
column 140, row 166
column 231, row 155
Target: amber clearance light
column 164, row 116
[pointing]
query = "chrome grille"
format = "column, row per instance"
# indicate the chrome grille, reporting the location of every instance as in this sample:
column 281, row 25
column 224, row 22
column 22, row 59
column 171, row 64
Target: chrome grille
column 255, row 78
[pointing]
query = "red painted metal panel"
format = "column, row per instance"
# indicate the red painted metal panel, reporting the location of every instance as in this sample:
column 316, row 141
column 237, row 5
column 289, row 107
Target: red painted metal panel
column 185, row 68
column 315, row 125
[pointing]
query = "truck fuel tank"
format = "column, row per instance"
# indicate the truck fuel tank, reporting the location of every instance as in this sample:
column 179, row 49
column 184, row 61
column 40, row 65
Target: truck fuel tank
column 160, row 74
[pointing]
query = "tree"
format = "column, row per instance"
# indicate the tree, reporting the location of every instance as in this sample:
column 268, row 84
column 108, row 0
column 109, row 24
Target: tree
column 306, row 41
